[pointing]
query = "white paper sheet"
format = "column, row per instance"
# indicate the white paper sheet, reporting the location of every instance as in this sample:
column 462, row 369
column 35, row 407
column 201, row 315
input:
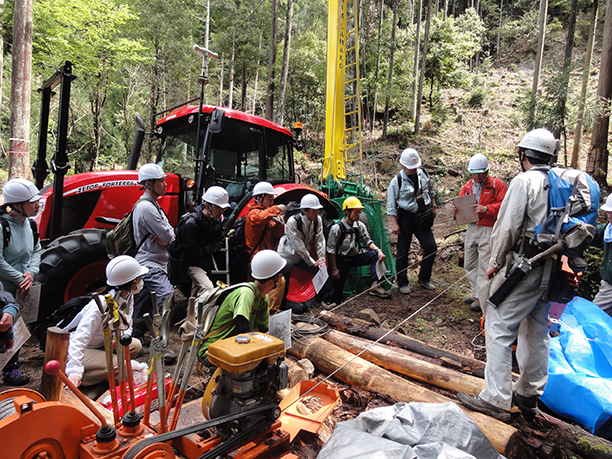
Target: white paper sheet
column 381, row 269
column 28, row 306
column 21, row 333
column 280, row 327
column 319, row 279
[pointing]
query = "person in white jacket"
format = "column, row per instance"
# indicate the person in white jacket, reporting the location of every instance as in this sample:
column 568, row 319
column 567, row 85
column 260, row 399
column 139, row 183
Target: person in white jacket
column 523, row 314
column 300, row 231
column 86, row 354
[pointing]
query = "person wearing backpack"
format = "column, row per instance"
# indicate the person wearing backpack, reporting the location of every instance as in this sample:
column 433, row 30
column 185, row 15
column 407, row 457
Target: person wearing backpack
column 263, row 228
column 489, row 192
column 20, row 252
column 302, row 229
column 198, row 236
column 523, row 314
column 150, row 223
column 344, row 250
column 87, row 364
column 411, row 209
column 603, row 240
column 247, row 308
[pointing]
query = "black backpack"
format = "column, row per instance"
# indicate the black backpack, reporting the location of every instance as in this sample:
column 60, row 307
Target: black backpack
column 62, row 316
column 6, row 231
column 240, row 255
column 176, row 273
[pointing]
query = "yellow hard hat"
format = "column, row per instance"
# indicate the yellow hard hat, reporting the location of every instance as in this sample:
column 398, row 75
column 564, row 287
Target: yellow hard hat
column 351, row 203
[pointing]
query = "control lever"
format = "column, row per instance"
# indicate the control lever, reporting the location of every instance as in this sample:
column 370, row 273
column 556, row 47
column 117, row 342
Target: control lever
column 106, row 433
column 130, row 419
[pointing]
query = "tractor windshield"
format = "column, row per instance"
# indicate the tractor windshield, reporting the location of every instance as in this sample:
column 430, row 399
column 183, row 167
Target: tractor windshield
column 241, row 153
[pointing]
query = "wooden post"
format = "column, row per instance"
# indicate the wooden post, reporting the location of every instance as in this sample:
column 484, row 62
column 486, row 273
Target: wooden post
column 56, row 349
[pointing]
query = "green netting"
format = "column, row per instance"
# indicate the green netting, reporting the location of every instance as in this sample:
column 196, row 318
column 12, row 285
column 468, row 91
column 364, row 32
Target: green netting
column 359, row 277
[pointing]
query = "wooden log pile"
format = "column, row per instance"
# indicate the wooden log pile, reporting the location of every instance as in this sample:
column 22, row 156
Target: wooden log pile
column 335, row 354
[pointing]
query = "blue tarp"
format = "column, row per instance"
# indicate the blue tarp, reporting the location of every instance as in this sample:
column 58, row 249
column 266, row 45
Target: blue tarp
column 580, row 367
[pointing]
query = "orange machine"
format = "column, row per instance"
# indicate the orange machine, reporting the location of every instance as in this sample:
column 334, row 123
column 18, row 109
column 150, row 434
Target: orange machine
column 242, row 416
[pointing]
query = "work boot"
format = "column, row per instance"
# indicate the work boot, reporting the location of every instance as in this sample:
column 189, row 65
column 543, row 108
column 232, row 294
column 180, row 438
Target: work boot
column 170, row 357
column 475, row 403
column 15, row 378
column 405, row 289
column 475, row 306
column 377, row 290
column 469, row 299
column 427, row 284
column 527, row 405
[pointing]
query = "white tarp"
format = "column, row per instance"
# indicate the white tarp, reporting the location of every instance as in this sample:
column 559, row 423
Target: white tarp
column 410, row 431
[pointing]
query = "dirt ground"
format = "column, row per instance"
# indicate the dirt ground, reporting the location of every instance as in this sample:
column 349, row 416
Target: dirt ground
column 439, row 318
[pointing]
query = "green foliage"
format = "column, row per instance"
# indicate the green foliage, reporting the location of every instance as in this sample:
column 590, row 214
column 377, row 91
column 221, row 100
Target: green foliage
column 452, row 43
column 478, row 97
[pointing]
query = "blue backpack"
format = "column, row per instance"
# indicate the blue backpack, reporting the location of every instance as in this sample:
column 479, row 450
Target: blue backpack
column 573, row 200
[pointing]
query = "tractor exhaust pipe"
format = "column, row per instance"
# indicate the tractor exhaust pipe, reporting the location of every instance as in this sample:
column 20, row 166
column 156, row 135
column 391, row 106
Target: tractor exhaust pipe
column 136, row 144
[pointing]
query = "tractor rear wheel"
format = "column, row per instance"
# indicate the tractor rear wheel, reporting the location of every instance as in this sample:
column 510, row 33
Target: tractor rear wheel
column 71, row 266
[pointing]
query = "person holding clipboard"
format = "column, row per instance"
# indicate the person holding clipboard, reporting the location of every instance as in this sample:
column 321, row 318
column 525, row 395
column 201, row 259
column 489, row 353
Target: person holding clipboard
column 488, row 193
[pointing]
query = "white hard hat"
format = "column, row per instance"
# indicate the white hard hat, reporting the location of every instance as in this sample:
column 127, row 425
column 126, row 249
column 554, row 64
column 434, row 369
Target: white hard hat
column 540, row 144
column 123, row 269
column 478, row 164
column 19, row 190
column 410, row 158
column 310, row 201
column 263, row 188
column 608, row 205
column 216, row 195
column 150, row 171
column 266, row 263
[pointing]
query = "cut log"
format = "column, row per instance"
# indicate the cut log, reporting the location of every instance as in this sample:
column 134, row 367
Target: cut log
column 399, row 361
column 328, row 358
column 296, row 373
column 56, row 349
column 365, row 330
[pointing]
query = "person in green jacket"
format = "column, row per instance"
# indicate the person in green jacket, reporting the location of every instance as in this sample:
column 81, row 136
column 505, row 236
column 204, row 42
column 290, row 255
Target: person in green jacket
column 247, row 308
column 603, row 240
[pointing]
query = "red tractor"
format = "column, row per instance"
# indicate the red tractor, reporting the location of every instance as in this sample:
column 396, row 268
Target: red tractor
column 228, row 148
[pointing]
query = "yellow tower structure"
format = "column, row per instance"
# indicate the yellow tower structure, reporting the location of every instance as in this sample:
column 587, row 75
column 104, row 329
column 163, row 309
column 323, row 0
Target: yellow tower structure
column 342, row 101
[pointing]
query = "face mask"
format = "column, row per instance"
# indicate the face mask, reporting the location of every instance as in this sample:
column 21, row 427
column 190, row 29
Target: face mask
column 138, row 287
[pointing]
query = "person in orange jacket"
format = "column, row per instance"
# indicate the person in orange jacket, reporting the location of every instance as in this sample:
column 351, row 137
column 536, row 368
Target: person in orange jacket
column 489, row 192
column 263, row 229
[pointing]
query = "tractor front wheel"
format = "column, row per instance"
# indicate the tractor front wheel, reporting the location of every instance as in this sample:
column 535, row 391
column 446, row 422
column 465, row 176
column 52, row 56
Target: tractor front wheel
column 71, row 266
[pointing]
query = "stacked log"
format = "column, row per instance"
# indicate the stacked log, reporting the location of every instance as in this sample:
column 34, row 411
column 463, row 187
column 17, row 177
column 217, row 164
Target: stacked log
column 335, row 355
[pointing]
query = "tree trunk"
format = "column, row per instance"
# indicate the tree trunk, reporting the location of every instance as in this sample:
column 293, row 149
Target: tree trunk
column 230, row 83
column 538, row 63
column 271, row 62
column 400, row 361
column 365, row 330
column 390, row 75
column 21, row 80
column 282, row 91
column 356, row 371
column 2, row 151
column 585, row 86
column 417, row 118
column 597, row 159
column 221, row 83
column 377, row 72
column 501, row 10
column 243, row 91
column 257, row 73
column 415, row 69
column 567, row 61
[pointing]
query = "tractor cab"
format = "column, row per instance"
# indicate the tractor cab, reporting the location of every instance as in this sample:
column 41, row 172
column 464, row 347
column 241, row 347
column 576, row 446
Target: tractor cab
column 246, row 150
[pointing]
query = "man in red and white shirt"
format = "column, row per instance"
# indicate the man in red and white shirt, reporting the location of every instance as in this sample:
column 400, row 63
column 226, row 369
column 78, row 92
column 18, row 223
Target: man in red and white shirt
column 489, row 192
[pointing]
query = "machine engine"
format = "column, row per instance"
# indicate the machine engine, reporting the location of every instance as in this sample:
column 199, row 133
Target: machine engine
column 251, row 370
